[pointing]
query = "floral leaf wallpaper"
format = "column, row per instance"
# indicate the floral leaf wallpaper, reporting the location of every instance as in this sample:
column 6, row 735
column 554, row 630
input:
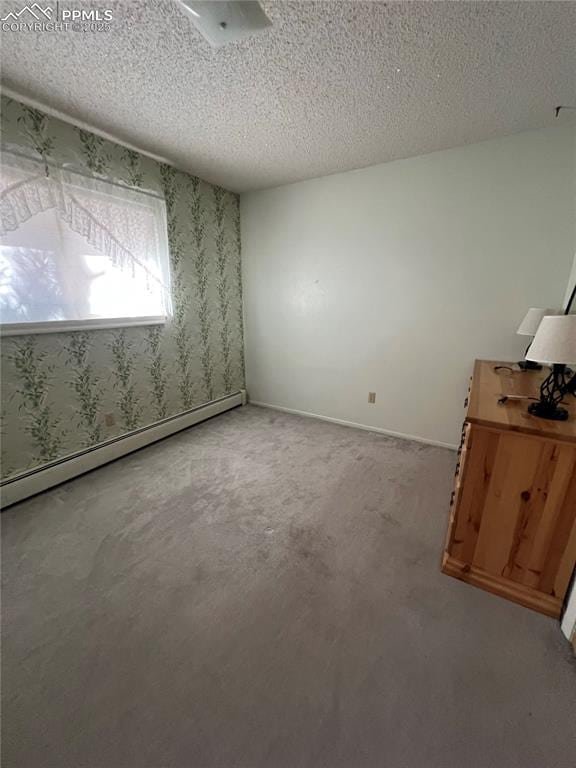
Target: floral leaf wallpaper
column 157, row 371
column 63, row 392
column 123, row 369
column 85, row 384
column 222, row 284
column 134, row 176
column 35, row 379
column 180, row 293
column 93, row 149
column 204, row 304
column 33, row 125
column 238, row 306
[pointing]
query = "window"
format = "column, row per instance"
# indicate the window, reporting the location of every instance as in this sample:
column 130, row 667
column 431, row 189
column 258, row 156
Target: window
column 78, row 252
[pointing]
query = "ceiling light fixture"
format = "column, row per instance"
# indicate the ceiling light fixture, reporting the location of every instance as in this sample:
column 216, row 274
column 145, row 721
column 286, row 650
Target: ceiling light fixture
column 223, row 22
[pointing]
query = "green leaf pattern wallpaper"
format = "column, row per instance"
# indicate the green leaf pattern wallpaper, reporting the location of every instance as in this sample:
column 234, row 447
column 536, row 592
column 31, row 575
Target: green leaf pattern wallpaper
column 63, row 392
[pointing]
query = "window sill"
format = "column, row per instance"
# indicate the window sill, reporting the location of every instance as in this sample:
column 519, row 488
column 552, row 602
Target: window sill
column 64, row 326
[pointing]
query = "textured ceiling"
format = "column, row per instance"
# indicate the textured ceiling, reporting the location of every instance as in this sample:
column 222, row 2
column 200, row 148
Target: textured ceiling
column 330, row 87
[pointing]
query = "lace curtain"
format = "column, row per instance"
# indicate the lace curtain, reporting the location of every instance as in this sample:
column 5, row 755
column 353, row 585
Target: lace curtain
column 126, row 227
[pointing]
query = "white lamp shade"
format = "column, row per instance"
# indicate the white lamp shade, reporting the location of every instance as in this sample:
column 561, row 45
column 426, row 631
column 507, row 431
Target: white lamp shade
column 532, row 320
column 555, row 341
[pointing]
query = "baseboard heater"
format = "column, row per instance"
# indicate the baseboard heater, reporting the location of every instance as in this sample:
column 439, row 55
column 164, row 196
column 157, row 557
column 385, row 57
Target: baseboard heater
column 40, row 479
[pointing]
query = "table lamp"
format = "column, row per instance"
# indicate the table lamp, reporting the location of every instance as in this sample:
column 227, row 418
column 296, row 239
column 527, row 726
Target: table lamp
column 528, row 327
column 554, row 344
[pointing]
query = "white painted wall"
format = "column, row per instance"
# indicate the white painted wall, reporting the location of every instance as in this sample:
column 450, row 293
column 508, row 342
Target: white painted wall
column 570, row 285
column 569, row 618
column 395, row 277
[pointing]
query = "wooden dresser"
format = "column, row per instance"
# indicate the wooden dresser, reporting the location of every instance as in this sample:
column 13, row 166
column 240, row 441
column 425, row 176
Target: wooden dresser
column 512, row 528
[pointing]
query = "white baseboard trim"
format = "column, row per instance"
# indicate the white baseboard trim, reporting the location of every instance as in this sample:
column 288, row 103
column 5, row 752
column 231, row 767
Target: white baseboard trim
column 366, row 427
column 48, row 475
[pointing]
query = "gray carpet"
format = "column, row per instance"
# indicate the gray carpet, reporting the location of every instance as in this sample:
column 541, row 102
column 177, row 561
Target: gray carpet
column 263, row 591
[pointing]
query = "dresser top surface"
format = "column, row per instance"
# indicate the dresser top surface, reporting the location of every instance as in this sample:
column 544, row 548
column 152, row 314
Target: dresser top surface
column 490, row 383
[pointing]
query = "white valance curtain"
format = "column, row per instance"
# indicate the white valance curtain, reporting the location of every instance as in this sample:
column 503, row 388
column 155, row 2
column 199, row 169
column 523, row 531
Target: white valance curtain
column 121, row 225
column 125, row 226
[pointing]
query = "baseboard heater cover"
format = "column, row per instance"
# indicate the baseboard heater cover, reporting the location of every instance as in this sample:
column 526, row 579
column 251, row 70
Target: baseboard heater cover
column 41, row 478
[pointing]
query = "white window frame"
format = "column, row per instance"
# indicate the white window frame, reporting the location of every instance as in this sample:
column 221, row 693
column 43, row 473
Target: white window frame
column 63, row 326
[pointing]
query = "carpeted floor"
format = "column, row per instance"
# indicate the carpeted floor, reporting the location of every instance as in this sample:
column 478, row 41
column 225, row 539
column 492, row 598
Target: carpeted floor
column 263, row 591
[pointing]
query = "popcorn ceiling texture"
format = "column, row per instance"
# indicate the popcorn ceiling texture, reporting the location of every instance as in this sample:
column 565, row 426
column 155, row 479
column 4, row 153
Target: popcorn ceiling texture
column 330, row 87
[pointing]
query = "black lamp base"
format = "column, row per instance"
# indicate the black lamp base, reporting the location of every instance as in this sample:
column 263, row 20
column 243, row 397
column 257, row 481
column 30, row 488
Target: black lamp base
column 529, row 365
column 548, row 411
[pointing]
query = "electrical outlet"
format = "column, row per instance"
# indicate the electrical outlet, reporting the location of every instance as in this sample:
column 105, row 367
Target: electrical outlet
column 371, row 397
column 109, row 419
